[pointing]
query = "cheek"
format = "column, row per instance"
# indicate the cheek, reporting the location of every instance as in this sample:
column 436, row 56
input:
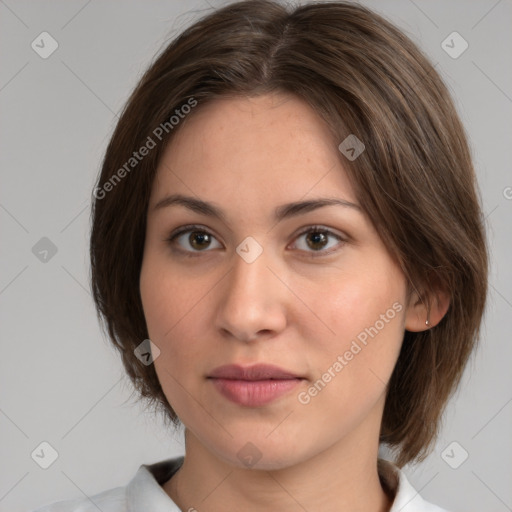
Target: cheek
column 166, row 302
column 352, row 368
column 168, row 308
column 352, row 304
column 360, row 342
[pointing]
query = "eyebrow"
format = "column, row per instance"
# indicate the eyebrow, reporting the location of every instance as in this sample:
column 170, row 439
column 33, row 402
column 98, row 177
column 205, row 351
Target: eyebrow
column 281, row 212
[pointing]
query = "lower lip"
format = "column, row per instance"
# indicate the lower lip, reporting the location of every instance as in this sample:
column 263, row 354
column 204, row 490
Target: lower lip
column 254, row 393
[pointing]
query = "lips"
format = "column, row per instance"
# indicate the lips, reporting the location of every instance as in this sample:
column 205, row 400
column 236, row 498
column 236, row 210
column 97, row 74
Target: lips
column 253, row 386
column 256, row 372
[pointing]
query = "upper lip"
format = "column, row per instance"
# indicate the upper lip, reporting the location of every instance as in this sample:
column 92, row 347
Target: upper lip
column 255, row 372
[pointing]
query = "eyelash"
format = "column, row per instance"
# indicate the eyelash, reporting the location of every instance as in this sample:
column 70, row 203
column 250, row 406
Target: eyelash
column 310, row 229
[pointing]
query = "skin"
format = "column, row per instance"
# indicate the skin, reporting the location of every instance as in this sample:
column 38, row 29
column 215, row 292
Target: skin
column 248, row 156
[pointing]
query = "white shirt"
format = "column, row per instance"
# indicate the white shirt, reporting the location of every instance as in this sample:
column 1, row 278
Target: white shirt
column 144, row 492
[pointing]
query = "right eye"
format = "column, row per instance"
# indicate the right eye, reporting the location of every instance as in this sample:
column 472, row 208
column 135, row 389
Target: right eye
column 195, row 236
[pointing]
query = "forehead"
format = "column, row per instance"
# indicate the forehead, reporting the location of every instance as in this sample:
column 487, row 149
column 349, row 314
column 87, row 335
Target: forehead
column 269, row 146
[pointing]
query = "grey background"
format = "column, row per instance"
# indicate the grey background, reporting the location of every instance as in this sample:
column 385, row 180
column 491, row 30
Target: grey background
column 60, row 381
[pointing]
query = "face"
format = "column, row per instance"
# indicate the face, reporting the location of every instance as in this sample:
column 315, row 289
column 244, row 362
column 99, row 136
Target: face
column 312, row 291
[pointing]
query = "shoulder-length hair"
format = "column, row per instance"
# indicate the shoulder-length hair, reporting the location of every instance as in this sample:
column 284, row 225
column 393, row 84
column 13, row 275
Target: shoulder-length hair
column 415, row 179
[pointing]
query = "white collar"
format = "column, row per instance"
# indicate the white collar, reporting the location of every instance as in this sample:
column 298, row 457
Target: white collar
column 145, row 492
column 407, row 498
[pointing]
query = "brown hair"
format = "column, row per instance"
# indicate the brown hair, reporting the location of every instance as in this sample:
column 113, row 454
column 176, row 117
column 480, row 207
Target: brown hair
column 415, row 178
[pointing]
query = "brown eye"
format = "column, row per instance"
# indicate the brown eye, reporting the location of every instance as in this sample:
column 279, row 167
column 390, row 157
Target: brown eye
column 317, row 239
column 199, row 239
column 192, row 239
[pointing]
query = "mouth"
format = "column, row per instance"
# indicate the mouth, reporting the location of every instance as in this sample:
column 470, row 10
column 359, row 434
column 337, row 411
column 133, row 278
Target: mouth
column 252, row 373
column 253, row 386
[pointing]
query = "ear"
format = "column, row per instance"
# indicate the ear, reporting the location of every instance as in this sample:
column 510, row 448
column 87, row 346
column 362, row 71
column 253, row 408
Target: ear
column 431, row 308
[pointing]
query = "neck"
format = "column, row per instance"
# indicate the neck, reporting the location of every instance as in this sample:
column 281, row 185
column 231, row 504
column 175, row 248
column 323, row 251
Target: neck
column 341, row 478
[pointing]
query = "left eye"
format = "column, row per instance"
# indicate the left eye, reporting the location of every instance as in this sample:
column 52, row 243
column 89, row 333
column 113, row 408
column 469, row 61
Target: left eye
column 316, row 238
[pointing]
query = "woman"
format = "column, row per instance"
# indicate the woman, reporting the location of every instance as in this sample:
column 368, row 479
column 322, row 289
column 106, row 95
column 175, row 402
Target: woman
column 288, row 252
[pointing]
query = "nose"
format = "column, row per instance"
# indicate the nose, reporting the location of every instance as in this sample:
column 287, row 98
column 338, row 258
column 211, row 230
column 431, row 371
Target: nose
column 253, row 300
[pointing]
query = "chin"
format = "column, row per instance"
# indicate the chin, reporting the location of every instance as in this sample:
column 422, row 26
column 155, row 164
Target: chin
column 259, row 452
column 260, row 461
